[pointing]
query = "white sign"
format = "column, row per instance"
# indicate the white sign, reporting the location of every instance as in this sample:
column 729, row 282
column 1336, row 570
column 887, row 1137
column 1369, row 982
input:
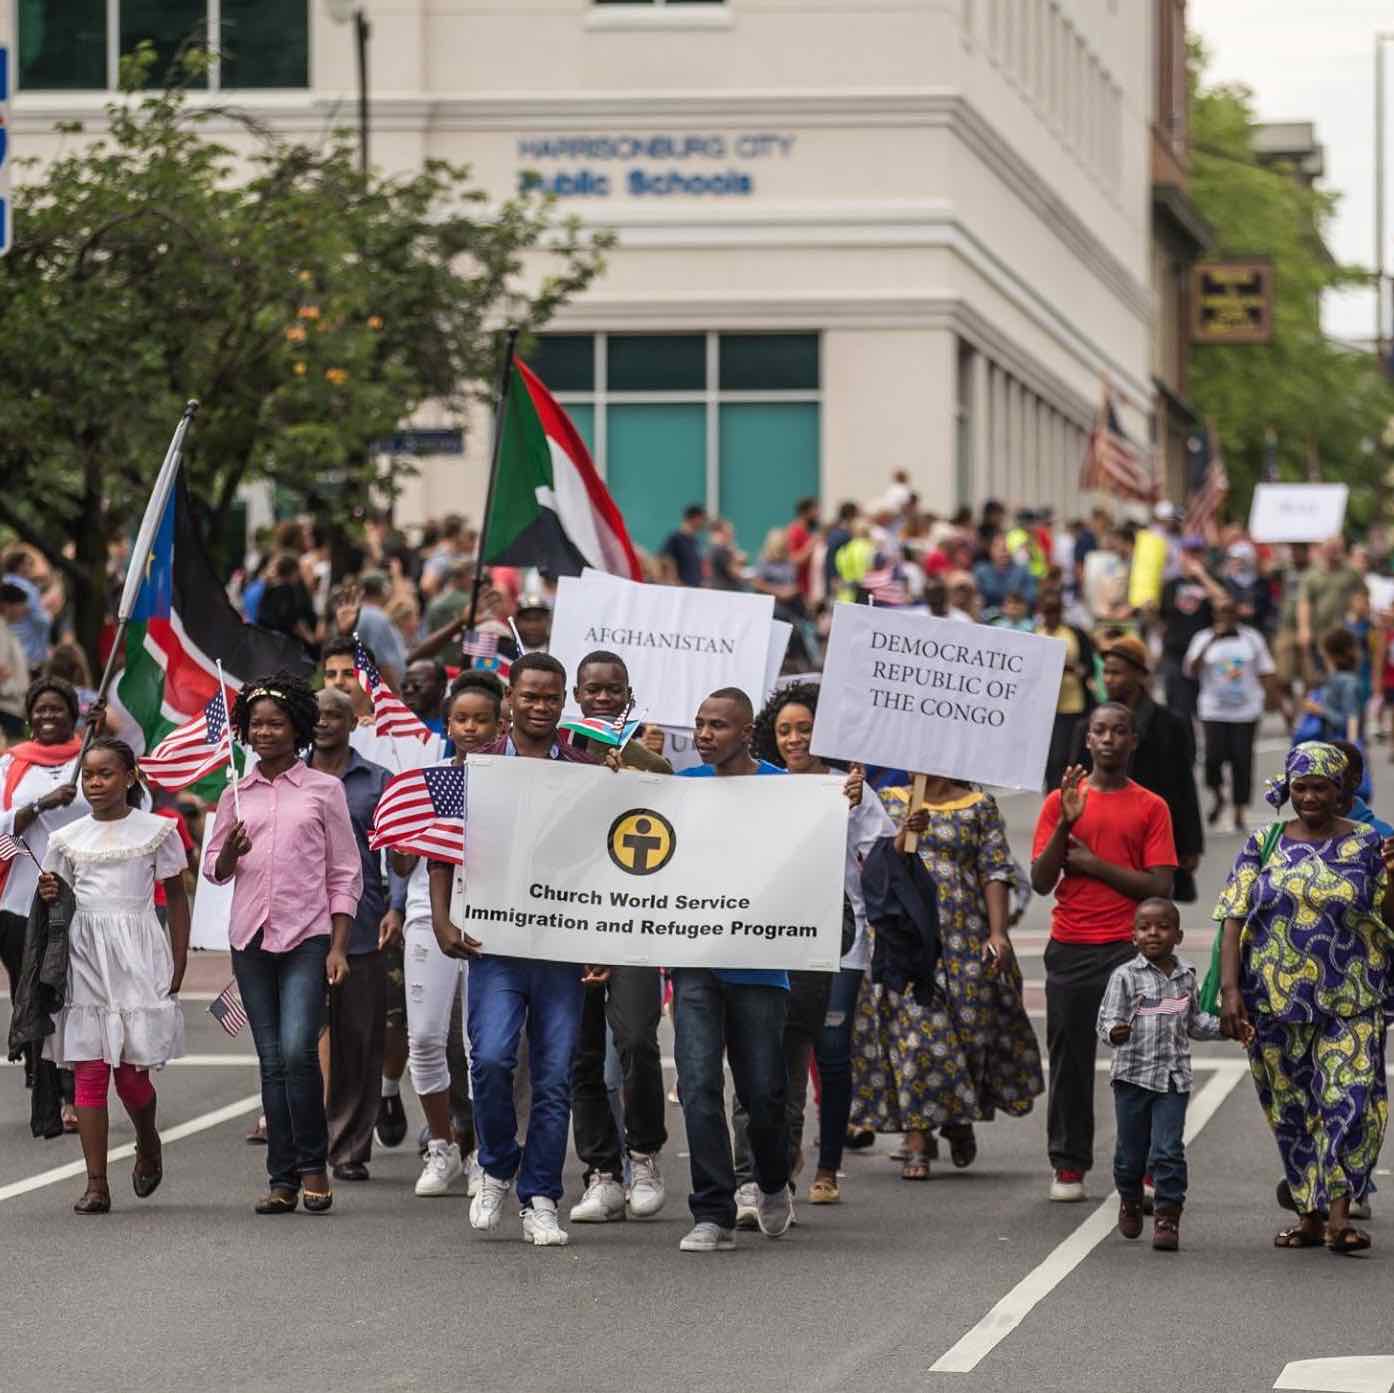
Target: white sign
column 211, row 912
column 576, row 864
column 680, row 747
column 1297, row 512
column 935, row 696
column 6, row 217
column 679, row 644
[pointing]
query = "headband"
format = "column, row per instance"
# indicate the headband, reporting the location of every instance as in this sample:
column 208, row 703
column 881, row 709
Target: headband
column 259, row 692
column 1313, row 759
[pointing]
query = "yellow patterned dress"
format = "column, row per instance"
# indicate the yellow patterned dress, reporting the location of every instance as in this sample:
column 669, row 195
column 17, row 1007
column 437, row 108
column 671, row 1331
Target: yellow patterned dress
column 973, row 1051
column 1315, row 973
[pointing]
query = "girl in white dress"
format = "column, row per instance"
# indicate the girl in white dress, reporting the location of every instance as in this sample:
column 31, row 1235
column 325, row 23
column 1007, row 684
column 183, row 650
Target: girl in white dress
column 120, row 1010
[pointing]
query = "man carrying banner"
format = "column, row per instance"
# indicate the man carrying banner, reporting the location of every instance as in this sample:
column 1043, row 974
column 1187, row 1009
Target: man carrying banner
column 738, row 1012
column 631, row 1003
column 505, row 992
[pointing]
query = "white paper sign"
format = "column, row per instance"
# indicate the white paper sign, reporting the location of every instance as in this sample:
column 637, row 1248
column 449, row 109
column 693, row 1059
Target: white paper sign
column 679, row 644
column 577, row 864
column 1297, row 512
column 935, row 696
column 211, row 912
column 680, row 747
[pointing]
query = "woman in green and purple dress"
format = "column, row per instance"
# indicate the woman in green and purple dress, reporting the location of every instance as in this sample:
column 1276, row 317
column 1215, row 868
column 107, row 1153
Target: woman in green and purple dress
column 1305, row 974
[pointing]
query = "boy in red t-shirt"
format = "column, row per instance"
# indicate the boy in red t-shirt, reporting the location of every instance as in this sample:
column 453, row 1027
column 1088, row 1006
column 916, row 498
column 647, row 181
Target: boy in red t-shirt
column 1103, row 843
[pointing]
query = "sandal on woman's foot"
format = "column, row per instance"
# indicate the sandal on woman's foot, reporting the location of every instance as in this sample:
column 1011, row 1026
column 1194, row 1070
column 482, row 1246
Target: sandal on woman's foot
column 1298, row 1236
column 318, row 1201
column 860, row 1138
column 70, row 1121
column 96, row 1199
column 1348, row 1241
column 277, row 1201
column 147, row 1172
column 963, row 1145
column 824, row 1191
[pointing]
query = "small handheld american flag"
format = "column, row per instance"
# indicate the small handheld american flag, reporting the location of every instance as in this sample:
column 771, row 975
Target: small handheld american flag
column 195, row 749
column 11, row 846
column 421, row 812
column 391, row 715
column 479, row 645
column 227, row 1009
column 883, row 587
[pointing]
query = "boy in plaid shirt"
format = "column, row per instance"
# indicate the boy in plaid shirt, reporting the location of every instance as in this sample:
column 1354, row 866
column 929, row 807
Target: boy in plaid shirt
column 1150, row 1015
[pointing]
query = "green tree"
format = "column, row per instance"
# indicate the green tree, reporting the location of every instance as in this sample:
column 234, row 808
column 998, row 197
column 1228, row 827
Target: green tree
column 308, row 309
column 1322, row 402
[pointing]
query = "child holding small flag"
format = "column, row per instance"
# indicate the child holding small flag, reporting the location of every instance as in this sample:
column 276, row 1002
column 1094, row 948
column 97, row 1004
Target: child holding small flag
column 120, row 1011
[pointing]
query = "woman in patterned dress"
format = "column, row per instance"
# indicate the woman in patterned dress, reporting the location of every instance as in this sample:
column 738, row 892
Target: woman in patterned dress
column 973, row 1051
column 1306, row 960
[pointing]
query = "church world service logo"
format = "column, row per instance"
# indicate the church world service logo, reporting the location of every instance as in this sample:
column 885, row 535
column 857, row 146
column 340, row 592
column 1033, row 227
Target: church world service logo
column 641, row 841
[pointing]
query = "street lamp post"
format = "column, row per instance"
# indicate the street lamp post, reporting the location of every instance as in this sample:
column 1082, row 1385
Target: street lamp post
column 342, row 12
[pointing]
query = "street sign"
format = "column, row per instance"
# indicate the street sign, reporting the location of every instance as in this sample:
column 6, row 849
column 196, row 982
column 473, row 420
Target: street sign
column 5, row 218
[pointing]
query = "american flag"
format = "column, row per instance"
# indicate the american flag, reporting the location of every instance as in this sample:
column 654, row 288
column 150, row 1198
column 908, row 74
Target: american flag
column 11, row 846
column 479, row 645
column 1210, row 484
column 883, row 587
column 194, row 750
column 1113, row 463
column 227, row 1009
column 422, row 812
column 391, row 715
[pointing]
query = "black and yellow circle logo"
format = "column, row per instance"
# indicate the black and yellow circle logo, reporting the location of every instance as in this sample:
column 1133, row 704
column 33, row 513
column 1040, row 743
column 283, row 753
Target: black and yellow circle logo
column 641, row 841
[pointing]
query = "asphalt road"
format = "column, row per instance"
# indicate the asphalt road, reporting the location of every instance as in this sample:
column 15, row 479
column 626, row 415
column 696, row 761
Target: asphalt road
column 974, row 1272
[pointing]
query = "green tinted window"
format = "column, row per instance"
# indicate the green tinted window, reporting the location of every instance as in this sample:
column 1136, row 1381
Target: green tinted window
column 62, row 45
column 565, row 362
column 769, row 362
column 769, row 458
column 655, row 465
column 657, row 362
column 170, row 25
column 583, row 418
column 265, row 43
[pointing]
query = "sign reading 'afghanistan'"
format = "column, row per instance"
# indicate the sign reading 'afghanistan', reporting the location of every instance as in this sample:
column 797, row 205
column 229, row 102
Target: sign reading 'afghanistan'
column 578, row 864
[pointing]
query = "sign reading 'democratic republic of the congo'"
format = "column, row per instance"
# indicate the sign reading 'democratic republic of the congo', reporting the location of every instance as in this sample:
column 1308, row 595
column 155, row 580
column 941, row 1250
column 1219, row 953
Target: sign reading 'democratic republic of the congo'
column 679, row 644
column 937, row 696
column 579, row 864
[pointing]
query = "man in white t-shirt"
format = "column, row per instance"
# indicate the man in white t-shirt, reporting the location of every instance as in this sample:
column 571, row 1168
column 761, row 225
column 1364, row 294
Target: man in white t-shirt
column 1232, row 663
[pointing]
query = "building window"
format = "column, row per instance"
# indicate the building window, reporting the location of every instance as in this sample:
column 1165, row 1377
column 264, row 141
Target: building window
column 731, row 421
column 76, row 45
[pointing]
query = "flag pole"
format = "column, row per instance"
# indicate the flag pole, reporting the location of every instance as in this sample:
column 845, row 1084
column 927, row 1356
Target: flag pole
column 501, row 390
column 231, row 752
column 140, row 560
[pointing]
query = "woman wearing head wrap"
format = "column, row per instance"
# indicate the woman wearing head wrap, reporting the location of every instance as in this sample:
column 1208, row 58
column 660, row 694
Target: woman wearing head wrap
column 1306, row 967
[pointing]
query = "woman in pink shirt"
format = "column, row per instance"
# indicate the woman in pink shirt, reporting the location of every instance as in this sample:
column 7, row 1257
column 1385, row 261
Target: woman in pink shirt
column 296, row 879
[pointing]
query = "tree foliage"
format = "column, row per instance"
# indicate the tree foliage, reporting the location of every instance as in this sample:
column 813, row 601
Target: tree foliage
column 309, row 310
column 1323, row 402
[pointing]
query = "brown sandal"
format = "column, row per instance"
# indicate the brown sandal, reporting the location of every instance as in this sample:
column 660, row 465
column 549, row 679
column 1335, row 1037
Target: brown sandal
column 96, row 1199
column 824, row 1191
column 1297, row 1237
column 1346, row 1242
column 277, row 1201
column 318, row 1201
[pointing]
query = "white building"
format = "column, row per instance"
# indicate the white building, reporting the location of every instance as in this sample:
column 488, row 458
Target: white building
column 855, row 235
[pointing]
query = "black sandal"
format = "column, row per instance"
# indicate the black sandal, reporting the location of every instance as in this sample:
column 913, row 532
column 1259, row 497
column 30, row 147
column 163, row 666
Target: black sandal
column 147, row 1172
column 94, row 1200
column 1297, row 1237
column 963, row 1145
column 1348, row 1241
column 278, row 1200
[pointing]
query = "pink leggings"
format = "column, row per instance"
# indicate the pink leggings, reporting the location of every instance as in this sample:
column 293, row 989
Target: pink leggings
column 133, row 1085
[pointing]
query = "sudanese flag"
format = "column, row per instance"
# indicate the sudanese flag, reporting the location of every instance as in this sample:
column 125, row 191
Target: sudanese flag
column 550, row 508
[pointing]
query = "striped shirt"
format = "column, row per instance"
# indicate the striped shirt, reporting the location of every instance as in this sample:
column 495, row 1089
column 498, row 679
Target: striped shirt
column 1162, row 1010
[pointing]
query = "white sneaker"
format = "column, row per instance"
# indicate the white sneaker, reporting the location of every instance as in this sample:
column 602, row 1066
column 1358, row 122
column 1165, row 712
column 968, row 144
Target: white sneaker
column 647, row 1194
column 1067, row 1187
column 1360, row 1209
column 775, row 1212
column 474, row 1174
column 540, row 1227
column 707, row 1237
column 442, row 1166
column 602, row 1202
column 486, row 1208
column 747, row 1206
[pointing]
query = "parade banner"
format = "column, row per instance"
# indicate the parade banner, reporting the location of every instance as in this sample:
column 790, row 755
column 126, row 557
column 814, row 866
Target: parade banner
column 1297, row 512
column 679, row 644
column 935, row 696
column 578, row 864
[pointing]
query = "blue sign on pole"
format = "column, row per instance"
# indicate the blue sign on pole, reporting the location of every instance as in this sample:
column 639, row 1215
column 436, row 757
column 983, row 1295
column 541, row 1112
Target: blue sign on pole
column 4, row 149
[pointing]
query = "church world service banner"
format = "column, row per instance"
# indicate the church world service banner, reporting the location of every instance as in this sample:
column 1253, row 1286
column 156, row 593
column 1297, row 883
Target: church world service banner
column 937, row 696
column 679, row 644
column 579, row 864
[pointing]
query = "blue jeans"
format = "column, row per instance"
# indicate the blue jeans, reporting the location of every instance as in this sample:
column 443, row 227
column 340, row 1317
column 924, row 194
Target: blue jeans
column 746, row 1023
column 1150, row 1130
column 284, row 995
column 504, row 992
column 833, row 1051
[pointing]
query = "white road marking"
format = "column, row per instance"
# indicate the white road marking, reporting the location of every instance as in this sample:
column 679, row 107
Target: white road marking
column 1348, row 1374
column 194, row 1125
column 1023, row 1298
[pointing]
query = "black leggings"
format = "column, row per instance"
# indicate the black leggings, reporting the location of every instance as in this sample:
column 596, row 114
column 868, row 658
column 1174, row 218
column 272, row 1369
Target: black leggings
column 1232, row 743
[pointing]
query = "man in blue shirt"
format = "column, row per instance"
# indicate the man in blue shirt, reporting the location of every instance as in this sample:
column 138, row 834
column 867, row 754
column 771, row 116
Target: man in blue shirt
column 682, row 547
column 739, row 1012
